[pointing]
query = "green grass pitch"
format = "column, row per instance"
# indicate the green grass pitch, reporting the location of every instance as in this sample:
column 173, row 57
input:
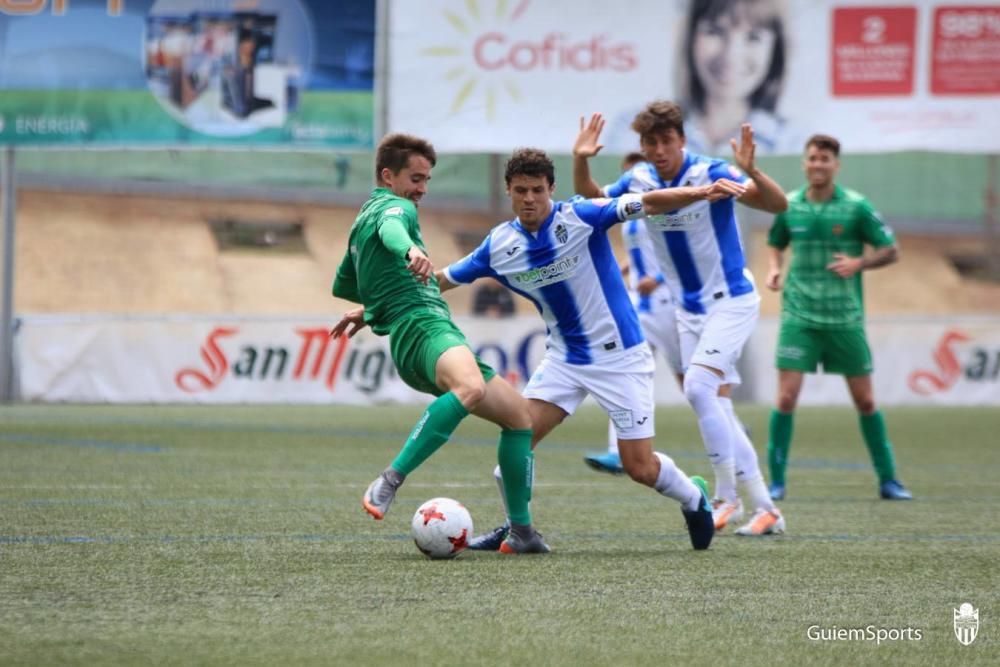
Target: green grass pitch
column 235, row 536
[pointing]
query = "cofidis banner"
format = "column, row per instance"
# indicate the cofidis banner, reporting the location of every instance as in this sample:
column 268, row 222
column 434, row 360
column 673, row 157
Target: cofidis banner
column 139, row 72
column 881, row 76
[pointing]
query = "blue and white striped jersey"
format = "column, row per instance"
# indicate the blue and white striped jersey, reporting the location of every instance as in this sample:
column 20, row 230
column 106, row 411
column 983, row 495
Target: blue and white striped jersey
column 568, row 270
column 642, row 263
column 698, row 246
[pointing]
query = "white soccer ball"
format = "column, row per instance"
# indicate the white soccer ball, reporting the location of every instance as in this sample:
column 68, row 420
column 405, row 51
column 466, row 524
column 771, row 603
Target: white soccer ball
column 441, row 528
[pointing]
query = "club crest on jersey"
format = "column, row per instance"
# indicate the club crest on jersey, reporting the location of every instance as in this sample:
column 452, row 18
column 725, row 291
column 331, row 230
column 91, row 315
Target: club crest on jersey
column 395, row 210
column 561, row 234
column 633, row 207
column 838, row 230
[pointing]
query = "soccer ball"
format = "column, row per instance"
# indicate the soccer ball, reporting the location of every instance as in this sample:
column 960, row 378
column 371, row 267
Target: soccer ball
column 441, row 528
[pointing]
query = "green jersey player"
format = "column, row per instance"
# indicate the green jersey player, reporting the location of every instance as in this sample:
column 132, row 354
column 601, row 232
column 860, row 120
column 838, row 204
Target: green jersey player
column 386, row 269
column 822, row 307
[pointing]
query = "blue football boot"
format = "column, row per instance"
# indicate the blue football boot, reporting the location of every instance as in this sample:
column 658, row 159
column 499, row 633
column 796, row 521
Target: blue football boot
column 607, row 462
column 490, row 541
column 700, row 524
column 893, row 490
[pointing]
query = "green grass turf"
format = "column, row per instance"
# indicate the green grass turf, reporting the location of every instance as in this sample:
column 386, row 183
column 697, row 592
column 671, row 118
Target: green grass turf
column 203, row 535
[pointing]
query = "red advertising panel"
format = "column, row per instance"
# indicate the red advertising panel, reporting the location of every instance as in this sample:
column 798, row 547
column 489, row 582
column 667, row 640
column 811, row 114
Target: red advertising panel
column 873, row 50
column 966, row 51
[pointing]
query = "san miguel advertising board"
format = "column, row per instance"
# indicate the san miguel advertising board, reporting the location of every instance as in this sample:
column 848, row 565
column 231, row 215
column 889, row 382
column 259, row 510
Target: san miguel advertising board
column 281, row 72
column 204, row 359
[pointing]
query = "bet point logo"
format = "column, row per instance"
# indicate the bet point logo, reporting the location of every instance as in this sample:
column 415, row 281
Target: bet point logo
column 491, row 47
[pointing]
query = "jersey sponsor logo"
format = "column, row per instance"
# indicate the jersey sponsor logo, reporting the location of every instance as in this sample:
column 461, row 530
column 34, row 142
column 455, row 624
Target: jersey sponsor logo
column 547, row 275
column 672, row 222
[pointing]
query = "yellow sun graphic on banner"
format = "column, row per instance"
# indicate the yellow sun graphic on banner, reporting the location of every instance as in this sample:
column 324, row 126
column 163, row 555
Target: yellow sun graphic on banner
column 484, row 22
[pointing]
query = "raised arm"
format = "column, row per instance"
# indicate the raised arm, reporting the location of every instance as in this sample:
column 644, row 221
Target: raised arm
column 394, row 236
column 762, row 192
column 587, row 145
column 655, row 202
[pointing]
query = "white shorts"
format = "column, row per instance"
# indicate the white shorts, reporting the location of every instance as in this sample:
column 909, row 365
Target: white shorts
column 716, row 339
column 624, row 391
column 660, row 330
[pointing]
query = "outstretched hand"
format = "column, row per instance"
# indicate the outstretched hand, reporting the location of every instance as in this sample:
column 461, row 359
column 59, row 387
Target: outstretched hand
column 743, row 153
column 351, row 323
column 722, row 189
column 587, row 143
column 419, row 265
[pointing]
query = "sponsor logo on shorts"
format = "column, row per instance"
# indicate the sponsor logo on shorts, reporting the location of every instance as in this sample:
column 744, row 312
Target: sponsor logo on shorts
column 622, row 418
column 791, row 352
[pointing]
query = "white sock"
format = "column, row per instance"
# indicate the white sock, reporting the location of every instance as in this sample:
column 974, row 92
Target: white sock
column 503, row 497
column 673, row 483
column 756, row 490
column 612, row 438
column 744, row 454
column 701, row 387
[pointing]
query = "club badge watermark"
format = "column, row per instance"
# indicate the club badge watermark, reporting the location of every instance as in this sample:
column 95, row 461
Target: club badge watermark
column 868, row 633
column 966, row 624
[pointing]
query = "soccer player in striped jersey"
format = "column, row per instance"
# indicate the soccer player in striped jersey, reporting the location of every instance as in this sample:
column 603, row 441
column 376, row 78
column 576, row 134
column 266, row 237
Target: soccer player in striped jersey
column 822, row 305
column 657, row 309
column 558, row 255
column 701, row 254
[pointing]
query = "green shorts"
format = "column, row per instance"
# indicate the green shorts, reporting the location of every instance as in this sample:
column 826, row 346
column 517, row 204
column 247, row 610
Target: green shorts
column 838, row 351
column 416, row 343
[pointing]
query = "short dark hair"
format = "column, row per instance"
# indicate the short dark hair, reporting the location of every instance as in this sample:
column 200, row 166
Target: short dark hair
column 394, row 152
column 824, row 142
column 659, row 116
column 766, row 14
column 530, row 162
column 632, row 159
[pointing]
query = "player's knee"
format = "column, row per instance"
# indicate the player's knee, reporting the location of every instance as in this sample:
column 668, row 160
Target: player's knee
column 865, row 404
column 470, row 392
column 701, row 386
column 787, row 401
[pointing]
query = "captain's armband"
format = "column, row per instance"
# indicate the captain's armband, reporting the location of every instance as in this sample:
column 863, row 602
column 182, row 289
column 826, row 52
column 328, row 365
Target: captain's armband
column 630, row 207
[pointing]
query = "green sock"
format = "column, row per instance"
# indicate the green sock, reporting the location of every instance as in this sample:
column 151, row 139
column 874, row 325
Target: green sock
column 517, row 468
column 778, row 444
column 432, row 431
column 879, row 447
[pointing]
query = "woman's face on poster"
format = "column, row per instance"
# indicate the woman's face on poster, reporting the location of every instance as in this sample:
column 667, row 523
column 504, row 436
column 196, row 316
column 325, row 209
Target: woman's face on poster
column 732, row 53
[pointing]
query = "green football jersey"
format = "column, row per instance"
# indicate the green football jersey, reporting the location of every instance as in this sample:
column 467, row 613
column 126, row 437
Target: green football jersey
column 813, row 294
column 374, row 276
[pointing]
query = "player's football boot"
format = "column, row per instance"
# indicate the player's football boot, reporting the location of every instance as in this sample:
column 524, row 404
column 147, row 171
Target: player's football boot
column 894, row 490
column 379, row 496
column 764, row 522
column 777, row 491
column 607, row 462
column 725, row 512
column 700, row 525
column 490, row 541
column 520, row 544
